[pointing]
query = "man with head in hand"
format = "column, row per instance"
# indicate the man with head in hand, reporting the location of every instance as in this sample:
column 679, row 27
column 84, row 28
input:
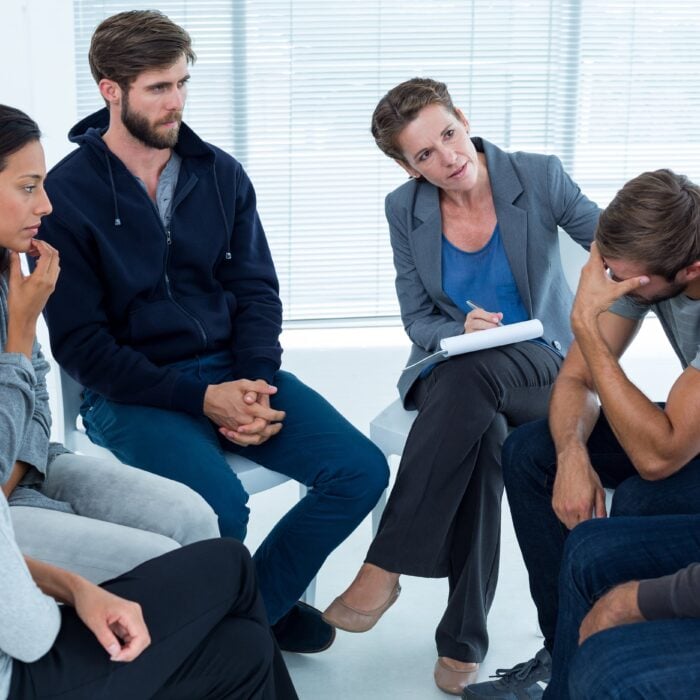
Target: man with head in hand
column 646, row 257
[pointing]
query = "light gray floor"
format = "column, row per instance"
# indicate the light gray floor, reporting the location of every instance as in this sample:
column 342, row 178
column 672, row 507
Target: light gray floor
column 396, row 658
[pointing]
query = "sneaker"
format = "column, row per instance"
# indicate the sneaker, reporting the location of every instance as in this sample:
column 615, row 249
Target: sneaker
column 522, row 682
column 303, row 631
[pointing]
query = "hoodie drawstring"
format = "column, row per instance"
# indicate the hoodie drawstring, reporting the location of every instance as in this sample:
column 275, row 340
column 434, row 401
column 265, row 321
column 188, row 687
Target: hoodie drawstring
column 223, row 215
column 117, row 219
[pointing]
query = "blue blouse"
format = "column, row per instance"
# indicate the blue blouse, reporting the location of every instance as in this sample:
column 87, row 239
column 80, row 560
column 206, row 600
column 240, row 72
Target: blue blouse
column 484, row 277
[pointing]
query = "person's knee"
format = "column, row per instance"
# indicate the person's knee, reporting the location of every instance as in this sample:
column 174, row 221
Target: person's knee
column 527, row 450
column 221, row 566
column 193, row 518
column 632, row 497
column 361, row 475
column 581, row 551
column 233, row 521
column 227, row 497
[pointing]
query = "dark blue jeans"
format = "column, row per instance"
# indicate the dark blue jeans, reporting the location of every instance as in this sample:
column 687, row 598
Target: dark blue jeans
column 654, row 660
column 344, row 471
column 529, row 468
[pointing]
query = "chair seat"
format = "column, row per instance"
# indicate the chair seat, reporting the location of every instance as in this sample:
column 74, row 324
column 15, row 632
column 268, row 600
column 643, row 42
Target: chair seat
column 389, row 430
column 254, row 477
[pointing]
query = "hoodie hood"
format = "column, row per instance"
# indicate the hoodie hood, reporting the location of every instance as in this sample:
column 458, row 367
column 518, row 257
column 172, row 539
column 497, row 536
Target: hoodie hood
column 90, row 129
column 88, row 133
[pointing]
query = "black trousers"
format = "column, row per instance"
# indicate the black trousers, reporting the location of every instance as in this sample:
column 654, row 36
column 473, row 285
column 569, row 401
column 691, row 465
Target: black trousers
column 443, row 517
column 209, row 637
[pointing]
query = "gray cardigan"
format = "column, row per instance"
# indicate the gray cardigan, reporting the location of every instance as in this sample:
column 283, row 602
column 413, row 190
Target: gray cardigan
column 29, row 620
column 533, row 196
column 31, row 443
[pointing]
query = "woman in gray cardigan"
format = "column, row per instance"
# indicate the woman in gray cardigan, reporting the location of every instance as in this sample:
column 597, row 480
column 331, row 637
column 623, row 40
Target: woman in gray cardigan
column 92, row 516
column 475, row 240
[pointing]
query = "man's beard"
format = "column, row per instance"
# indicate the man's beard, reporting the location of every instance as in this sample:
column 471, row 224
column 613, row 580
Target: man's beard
column 139, row 127
column 673, row 290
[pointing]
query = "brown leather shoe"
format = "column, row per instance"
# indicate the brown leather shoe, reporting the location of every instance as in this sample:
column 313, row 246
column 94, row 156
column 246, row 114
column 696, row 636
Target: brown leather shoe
column 451, row 681
column 341, row 615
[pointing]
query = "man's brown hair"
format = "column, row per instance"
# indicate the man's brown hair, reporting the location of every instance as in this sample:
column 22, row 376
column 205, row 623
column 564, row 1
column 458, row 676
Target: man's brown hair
column 126, row 44
column 655, row 220
column 400, row 106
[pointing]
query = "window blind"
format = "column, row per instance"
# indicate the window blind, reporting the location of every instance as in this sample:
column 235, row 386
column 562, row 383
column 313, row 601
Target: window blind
column 610, row 86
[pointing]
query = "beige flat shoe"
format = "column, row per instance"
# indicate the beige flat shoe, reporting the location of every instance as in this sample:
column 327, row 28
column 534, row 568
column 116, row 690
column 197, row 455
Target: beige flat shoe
column 341, row 615
column 451, row 681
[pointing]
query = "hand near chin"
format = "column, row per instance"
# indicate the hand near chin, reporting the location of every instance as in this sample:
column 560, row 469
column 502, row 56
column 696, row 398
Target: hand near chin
column 28, row 294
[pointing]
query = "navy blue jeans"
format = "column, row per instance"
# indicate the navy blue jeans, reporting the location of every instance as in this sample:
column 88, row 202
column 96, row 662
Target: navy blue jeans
column 529, row 468
column 344, row 471
column 653, row 660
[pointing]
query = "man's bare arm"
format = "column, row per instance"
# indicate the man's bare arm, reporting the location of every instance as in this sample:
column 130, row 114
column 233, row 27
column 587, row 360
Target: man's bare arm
column 658, row 442
column 574, row 410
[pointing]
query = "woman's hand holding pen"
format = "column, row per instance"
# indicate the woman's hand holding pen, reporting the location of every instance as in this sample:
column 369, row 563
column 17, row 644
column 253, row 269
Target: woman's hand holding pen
column 479, row 319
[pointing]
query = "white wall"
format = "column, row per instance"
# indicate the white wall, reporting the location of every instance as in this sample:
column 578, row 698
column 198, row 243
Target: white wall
column 36, row 55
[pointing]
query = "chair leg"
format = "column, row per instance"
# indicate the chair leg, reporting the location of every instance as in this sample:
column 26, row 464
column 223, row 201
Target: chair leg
column 309, row 595
column 378, row 510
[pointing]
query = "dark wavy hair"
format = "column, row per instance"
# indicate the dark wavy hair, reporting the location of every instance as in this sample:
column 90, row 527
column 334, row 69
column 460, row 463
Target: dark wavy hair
column 16, row 131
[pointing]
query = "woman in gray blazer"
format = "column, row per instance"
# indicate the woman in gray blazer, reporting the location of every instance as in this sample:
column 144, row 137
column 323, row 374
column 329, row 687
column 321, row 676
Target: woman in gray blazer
column 473, row 223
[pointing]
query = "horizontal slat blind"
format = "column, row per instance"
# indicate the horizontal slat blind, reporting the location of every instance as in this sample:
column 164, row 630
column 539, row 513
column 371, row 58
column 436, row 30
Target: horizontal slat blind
column 611, row 86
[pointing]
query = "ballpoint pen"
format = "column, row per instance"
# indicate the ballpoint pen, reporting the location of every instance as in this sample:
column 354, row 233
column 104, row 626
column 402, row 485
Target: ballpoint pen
column 472, row 305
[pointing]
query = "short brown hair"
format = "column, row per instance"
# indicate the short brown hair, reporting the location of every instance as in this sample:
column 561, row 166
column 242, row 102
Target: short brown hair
column 655, row 220
column 400, row 106
column 126, row 44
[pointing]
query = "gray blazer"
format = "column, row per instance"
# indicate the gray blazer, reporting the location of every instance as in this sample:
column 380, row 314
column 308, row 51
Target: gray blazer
column 533, row 196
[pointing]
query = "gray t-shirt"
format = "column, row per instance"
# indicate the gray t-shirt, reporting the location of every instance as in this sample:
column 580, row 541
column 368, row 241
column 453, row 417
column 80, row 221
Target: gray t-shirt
column 680, row 319
column 165, row 192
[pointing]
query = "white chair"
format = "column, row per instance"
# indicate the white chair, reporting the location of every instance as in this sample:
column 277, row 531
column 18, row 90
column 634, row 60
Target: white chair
column 388, row 431
column 254, row 477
